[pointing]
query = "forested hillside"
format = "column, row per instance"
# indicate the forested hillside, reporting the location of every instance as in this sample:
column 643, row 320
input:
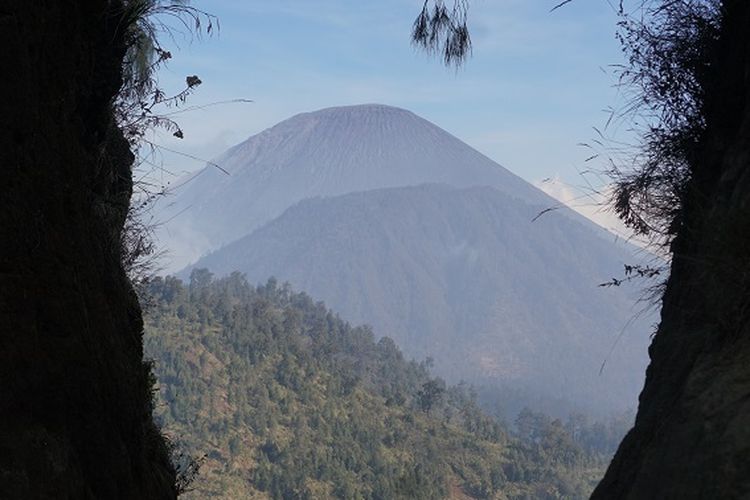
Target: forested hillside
column 288, row 401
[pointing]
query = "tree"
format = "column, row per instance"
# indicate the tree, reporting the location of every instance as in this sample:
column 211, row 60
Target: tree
column 430, row 395
column 200, row 281
column 687, row 62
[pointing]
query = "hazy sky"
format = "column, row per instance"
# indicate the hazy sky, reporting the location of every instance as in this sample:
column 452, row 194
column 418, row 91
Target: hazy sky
column 536, row 85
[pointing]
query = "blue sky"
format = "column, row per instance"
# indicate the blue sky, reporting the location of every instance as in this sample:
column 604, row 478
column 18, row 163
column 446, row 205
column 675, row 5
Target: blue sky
column 536, row 84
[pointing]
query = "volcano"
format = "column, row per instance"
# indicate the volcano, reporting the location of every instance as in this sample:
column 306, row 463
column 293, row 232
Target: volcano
column 395, row 223
column 328, row 152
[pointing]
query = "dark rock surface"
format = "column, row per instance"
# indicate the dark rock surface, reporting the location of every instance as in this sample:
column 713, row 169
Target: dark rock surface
column 75, row 407
column 691, row 439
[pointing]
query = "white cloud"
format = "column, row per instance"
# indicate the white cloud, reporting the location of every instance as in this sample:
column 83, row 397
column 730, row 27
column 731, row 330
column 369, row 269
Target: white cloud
column 593, row 203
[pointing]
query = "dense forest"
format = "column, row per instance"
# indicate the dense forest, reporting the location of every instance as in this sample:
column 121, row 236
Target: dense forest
column 274, row 395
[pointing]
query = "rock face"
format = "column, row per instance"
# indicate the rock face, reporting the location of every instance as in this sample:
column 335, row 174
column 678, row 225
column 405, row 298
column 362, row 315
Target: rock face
column 691, row 438
column 464, row 276
column 75, row 405
column 324, row 153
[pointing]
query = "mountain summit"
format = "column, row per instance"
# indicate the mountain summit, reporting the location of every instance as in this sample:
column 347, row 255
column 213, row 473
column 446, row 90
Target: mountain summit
column 328, row 152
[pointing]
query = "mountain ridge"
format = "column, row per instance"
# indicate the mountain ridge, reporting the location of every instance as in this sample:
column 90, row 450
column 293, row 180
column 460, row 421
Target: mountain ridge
column 326, row 152
column 463, row 275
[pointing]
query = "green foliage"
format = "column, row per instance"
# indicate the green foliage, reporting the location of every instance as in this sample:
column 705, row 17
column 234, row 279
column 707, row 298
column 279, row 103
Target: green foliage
column 430, row 395
column 286, row 400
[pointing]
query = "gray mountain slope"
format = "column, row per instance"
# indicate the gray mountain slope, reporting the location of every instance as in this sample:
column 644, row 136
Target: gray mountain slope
column 328, row 152
column 464, row 276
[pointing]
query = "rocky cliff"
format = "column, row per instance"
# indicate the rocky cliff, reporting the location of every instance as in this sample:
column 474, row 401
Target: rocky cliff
column 76, row 396
column 692, row 433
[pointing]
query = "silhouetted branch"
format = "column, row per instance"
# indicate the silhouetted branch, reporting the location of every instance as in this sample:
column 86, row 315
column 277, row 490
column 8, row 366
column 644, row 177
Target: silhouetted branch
column 440, row 29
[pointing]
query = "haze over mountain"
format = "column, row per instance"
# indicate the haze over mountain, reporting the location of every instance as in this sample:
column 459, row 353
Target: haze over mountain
column 327, row 152
column 396, row 223
column 463, row 275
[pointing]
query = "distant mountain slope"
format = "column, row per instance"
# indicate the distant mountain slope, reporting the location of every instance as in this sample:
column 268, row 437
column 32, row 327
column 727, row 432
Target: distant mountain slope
column 464, row 276
column 328, row 152
column 289, row 402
